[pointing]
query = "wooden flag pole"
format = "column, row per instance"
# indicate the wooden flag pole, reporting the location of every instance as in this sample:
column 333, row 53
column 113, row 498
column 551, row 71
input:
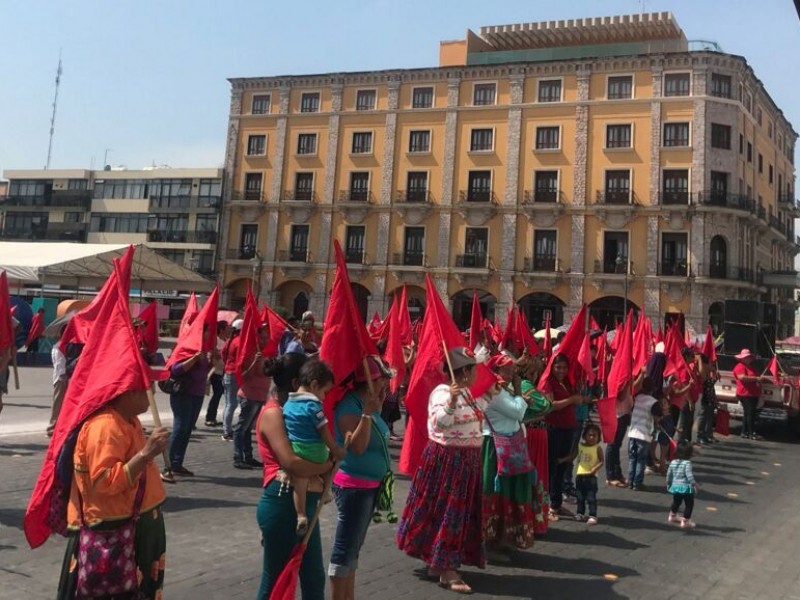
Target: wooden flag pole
column 151, row 399
column 14, row 367
column 449, row 364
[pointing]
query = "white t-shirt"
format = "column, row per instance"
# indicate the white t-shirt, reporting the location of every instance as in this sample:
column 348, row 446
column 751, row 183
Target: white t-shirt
column 642, row 418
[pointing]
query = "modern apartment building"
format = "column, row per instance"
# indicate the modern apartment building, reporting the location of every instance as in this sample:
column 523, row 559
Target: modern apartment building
column 174, row 211
column 607, row 161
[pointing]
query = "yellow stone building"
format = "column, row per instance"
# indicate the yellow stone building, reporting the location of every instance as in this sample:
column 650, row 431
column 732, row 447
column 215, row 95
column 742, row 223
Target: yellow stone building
column 607, row 161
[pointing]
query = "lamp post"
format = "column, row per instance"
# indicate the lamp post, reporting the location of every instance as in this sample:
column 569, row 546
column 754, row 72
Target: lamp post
column 623, row 263
column 255, row 262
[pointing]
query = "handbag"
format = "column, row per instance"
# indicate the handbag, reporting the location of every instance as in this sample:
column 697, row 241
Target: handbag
column 385, row 500
column 107, row 558
column 173, row 385
column 538, row 406
column 512, row 453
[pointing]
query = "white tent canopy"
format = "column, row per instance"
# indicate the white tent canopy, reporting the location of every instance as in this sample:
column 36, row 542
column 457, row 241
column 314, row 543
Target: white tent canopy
column 89, row 265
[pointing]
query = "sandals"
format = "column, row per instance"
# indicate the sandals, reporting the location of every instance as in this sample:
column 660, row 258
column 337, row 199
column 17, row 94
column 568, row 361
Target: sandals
column 552, row 516
column 456, row 585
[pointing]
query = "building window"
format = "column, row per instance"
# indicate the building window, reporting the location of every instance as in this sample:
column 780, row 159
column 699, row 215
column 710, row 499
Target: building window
column 77, row 184
column 204, row 261
column 248, row 240
column 548, row 138
column 309, row 102
column 759, row 116
column 615, row 252
column 719, row 188
column 422, row 97
column 359, row 187
column 741, row 144
column 721, row 136
column 771, row 172
column 618, row 187
column 176, row 256
column 544, row 249
column 167, row 228
column 675, row 186
column 721, row 85
column 620, row 87
column 73, row 217
column 545, row 186
column 304, row 186
column 28, row 187
column 476, row 248
column 676, row 134
column 209, row 194
column 719, row 258
column 417, row 186
column 674, row 254
column 480, row 186
column 677, row 84
column 252, row 186
column 419, row 141
column 414, row 246
column 256, row 145
column 205, row 227
column 131, row 189
column 261, row 104
column 770, row 129
column 760, row 164
column 481, row 140
column 298, row 244
column 619, row 136
column 307, row 143
column 366, row 99
column 549, row 90
column 362, row 142
column 119, row 222
column 748, row 102
column 484, row 94
column 354, row 244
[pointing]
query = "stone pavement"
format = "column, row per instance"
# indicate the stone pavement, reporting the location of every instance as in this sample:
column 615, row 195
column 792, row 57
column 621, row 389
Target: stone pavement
column 745, row 546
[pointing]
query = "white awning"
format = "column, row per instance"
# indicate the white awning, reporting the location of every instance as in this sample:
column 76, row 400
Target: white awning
column 89, row 265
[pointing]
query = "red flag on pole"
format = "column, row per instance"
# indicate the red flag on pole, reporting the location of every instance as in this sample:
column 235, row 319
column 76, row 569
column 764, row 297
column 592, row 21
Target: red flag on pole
column 585, row 360
column 248, row 339
column 190, row 313
column 149, row 331
column 277, row 328
column 394, row 355
column 570, row 346
column 110, row 365
column 601, row 344
column 709, row 348
column 36, row 329
column 548, row 340
column 524, row 335
column 620, row 378
column 775, row 370
column 201, row 335
column 476, row 319
column 404, row 319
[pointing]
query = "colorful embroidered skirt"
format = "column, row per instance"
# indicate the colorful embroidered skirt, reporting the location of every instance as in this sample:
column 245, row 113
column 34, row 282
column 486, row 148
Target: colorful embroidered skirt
column 442, row 521
column 151, row 546
column 508, row 503
column 537, row 450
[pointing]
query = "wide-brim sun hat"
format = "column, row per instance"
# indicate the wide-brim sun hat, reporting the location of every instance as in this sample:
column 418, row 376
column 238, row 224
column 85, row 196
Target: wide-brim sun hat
column 745, row 353
column 377, row 370
column 461, row 357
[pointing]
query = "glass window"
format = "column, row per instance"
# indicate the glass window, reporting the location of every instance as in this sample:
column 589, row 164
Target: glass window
column 676, row 134
column 252, row 186
column 304, row 186
column 414, row 246
column 476, row 247
column 675, row 186
column 545, row 185
column 619, row 136
column 354, row 244
column 480, row 186
column 417, row 186
column 484, row 94
column 548, row 138
column 248, row 240
column 549, row 90
column 620, row 87
column 544, row 250
column 366, row 99
column 362, row 142
column 721, row 85
column 309, row 102
column 677, row 84
column 618, row 187
column 210, row 188
column 419, row 141
column 721, row 136
column 359, row 186
column 307, row 143
column 298, row 250
column 261, row 104
column 481, row 140
column 422, row 97
column 615, row 252
column 256, row 145
column 77, row 184
column 674, row 254
column 73, row 217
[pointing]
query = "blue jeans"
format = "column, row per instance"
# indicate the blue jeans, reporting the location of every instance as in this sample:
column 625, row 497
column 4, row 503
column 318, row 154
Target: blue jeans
column 637, row 460
column 231, row 402
column 184, row 408
column 356, row 507
column 243, row 430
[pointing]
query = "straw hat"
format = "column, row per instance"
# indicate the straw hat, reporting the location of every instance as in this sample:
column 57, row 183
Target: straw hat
column 745, row 353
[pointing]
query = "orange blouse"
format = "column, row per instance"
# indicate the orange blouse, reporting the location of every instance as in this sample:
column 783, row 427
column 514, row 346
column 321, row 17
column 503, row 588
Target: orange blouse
column 105, row 444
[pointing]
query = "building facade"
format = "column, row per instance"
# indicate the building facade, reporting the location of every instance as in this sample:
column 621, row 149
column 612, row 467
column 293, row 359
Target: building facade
column 603, row 161
column 174, row 211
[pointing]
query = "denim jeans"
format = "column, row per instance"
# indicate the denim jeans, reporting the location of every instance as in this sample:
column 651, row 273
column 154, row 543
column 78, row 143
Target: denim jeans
column 613, row 463
column 231, row 402
column 243, row 430
column 559, row 444
column 586, row 493
column 637, row 460
column 217, row 389
column 705, row 420
column 277, row 520
column 184, row 408
column 356, row 507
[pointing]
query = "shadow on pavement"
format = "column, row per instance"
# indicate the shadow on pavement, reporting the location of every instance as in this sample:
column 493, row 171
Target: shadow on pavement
column 23, row 449
column 183, row 503
column 631, row 505
column 595, row 538
column 12, row 517
column 541, row 588
column 550, row 563
column 18, row 405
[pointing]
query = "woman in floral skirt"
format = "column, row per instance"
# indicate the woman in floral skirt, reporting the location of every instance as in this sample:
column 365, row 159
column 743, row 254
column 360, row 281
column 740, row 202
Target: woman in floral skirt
column 442, row 520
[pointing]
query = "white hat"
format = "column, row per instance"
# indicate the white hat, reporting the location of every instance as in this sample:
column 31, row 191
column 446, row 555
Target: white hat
column 660, row 347
column 745, row 353
column 237, row 324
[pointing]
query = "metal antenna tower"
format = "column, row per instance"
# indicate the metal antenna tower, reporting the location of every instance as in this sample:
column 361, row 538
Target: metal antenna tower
column 53, row 118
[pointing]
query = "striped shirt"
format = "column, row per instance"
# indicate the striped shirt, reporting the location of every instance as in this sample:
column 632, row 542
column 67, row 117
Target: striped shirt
column 642, row 417
column 680, row 477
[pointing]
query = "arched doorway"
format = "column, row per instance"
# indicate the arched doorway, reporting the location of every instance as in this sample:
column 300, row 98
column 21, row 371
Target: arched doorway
column 538, row 306
column 719, row 258
column 716, row 317
column 415, row 297
column 295, row 297
column 238, row 288
column 462, row 307
column 361, row 296
column 610, row 310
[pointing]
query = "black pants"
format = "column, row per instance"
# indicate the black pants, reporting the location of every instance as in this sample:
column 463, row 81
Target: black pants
column 705, row 420
column 687, row 500
column 686, row 422
column 586, row 493
column 559, row 445
column 749, row 410
column 613, row 464
column 217, row 390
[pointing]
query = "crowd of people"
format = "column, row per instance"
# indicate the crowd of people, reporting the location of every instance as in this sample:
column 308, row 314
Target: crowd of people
column 499, row 467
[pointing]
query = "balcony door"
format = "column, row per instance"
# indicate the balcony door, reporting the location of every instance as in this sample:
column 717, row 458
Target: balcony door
column 476, row 247
column 615, row 252
column 248, row 240
column 674, row 254
column 414, row 246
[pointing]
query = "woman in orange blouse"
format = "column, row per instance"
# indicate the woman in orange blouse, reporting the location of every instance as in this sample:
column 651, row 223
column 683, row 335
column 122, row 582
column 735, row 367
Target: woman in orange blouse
column 111, row 456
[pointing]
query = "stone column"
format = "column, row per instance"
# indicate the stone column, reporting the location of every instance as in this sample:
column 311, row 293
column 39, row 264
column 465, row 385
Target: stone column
column 226, row 235
column 277, row 175
column 652, row 285
column 387, row 181
column 699, row 146
column 655, row 138
column 448, row 174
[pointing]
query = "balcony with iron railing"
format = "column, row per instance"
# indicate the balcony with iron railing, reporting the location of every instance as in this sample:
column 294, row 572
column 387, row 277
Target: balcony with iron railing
column 408, row 259
column 473, row 261
column 543, row 197
column 355, row 257
column 678, row 268
column 723, row 199
column 413, row 196
column 301, row 195
column 76, row 233
column 673, row 198
column 355, row 196
column 170, row 203
column 67, row 199
column 541, row 264
column 616, row 198
column 248, row 196
column 241, row 253
column 294, row 255
column 613, row 266
column 477, row 196
column 723, row 271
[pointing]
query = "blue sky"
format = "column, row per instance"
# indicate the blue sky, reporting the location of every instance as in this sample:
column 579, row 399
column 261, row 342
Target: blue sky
column 147, row 78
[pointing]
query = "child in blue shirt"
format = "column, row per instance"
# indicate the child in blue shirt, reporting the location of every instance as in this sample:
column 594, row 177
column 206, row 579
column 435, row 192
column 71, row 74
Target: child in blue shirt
column 682, row 486
column 307, row 429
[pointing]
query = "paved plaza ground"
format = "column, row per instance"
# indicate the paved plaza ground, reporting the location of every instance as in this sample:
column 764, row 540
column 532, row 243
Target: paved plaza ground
column 746, row 545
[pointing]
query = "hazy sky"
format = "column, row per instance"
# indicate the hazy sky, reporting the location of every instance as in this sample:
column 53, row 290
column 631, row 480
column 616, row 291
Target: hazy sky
column 147, row 78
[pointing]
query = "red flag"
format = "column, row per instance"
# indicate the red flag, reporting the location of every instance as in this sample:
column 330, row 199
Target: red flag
column 509, row 332
column 548, row 340
column 404, row 319
column 201, row 335
column 526, row 339
column 570, row 346
column 248, row 339
column 476, row 319
column 601, row 344
column 375, row 324
column 346, row 342
column 709, row 348
column 620, row 378
column 641, row 344
column 585, row 360
column 189, row 314
column 109, row 365
column 277, row 328
column 394, row 355
column 676, row 364
column 37, row 328
column 429, row 371
column 6, row 324
column 149, row 316
column 615, row 340
column 775, row 370
column 593, row 324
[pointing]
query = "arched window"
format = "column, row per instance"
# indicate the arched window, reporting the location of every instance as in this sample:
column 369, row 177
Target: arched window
column 719, row 258
column 300, row 304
